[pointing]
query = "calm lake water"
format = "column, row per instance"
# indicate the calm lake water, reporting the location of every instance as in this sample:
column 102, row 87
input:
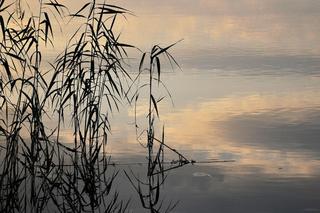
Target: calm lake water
column 249, row 91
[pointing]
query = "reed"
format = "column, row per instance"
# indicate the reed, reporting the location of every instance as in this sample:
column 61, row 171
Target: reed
column 38, row 171
column 149, row 188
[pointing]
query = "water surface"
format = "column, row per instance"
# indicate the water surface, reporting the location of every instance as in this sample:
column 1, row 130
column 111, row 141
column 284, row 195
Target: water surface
column 249, row 91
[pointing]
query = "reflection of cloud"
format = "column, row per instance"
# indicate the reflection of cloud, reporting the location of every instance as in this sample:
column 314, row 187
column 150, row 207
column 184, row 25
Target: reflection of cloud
column 276, row 133
column 218, row 7
column 203, row 127
column 227, row 108
column 273, row 26
column 298, row 131
column 251, row 63
column 287, row 27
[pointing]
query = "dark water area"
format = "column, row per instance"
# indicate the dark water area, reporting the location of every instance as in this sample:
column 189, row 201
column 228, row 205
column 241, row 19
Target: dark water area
column 234, row 188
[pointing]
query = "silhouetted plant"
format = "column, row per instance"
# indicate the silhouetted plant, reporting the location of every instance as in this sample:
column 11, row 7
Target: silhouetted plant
column 149, row 189
column 85, row 83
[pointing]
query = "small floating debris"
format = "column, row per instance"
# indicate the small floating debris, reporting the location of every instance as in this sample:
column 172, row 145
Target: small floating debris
column 201, row 174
